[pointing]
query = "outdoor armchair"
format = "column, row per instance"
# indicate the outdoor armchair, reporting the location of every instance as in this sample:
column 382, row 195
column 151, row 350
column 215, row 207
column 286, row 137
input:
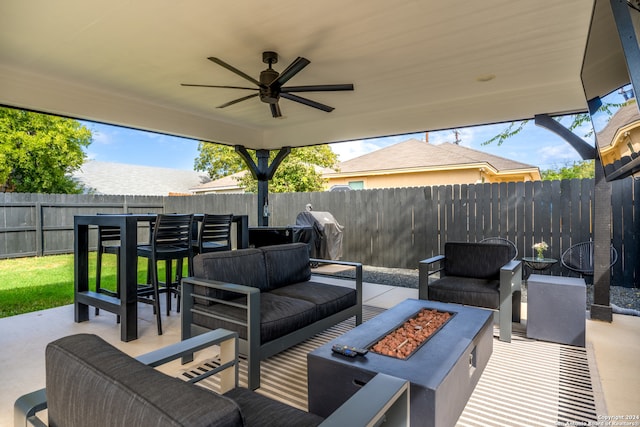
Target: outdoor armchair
column 90, row 382
column 476, row 274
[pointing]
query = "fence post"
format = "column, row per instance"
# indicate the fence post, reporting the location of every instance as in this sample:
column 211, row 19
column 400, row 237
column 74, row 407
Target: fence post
column 39, row 230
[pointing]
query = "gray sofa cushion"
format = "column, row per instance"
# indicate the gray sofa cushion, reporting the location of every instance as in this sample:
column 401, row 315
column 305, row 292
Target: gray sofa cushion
column 90, row 382
column 328, row 299
column 280, row 315
column 261, row 411
column 477, row 260
column 242, row 267
column 467, row 291
column 286, row 264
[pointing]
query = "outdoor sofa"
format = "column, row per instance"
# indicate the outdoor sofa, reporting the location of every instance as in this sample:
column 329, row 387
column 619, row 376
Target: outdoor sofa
column 268, row 296
column 476, row 274
column 91, row 383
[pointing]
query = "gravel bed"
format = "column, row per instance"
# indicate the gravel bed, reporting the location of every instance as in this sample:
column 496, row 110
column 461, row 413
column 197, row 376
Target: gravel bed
column 623, row 300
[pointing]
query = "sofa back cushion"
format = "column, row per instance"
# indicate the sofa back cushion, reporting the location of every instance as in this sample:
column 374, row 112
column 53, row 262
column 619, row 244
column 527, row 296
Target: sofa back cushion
column 477, row 260
column 286, row 264
column 90, row 382
column 242, row 267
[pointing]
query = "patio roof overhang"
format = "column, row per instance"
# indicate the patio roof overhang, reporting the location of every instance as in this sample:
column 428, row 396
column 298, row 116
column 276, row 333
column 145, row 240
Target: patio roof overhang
column 416, row 65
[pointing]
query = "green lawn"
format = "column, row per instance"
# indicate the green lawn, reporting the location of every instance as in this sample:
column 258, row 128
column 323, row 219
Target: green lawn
column 38, row 283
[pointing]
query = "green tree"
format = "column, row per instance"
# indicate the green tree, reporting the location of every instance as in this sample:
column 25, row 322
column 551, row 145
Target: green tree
column 581, row 169
column 38, row 152
column 297, row 173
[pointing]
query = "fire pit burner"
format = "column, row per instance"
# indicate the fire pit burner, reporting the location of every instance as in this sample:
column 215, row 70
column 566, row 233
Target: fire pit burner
column 412, row 334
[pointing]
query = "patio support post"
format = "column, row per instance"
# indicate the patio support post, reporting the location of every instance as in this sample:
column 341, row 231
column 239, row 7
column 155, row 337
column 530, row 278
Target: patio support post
column 601, row 308
column 263, row 172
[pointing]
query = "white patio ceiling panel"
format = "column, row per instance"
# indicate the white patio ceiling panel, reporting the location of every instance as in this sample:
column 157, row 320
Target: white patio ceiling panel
column 415, row 64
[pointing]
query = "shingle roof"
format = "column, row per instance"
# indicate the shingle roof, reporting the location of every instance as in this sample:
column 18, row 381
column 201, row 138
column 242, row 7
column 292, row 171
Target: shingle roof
column 623, row 117
column 413, row 154
column 230, row 182
column 224, row 183
column 124, row 179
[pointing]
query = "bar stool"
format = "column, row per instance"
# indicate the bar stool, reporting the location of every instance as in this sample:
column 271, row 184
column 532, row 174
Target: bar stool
column 214, row 234
column 171, row 240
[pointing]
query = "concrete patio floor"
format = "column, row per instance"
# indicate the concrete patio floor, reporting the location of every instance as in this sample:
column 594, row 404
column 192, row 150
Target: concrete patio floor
column 613, row 349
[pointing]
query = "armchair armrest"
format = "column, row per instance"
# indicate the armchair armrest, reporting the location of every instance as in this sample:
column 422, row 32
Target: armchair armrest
column 510, row 282
column 228, row 342
column 383, row 399
column 252, row 307
column 358, row 267
column 512, row 272
column 26, row 407
column 424, row 273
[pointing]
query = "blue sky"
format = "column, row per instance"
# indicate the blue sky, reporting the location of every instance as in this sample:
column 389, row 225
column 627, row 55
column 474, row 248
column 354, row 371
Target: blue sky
column 536, row 146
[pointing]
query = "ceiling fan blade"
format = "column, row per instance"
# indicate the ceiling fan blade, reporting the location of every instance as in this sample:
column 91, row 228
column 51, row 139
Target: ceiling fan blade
column 275, row 110
column 308, row 102
column 233, row 69
column 316, row 88
column 235, row 101
column 294, row 68
column 221, row 87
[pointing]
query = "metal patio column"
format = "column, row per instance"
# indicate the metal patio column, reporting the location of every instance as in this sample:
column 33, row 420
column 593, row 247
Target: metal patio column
column 601, row 307
column 263, row 172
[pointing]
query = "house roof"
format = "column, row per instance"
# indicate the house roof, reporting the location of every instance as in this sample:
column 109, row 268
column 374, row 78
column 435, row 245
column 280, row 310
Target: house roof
column 626, row 115
column 416, row 65
column 419, row 155
column 125, row 179
column 229, row 182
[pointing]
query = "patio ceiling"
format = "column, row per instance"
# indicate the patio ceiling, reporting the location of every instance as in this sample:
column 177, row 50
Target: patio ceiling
column 416, row 65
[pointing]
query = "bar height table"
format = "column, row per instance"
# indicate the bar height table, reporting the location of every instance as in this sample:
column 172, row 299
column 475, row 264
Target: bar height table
column 126, row 305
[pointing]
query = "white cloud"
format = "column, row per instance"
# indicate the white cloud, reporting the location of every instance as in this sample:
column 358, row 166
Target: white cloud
column 351, row 149
column 556, row 155
column 100, row 137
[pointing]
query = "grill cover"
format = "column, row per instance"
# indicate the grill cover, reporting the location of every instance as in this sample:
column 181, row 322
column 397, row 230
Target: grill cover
column 327, row 234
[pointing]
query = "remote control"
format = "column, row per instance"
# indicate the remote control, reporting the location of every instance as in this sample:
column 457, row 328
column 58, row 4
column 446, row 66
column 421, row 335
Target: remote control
column 348, row 350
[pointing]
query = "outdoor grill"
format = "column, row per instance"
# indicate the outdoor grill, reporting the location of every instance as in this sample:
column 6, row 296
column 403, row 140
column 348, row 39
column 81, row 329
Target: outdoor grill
column 327, row 234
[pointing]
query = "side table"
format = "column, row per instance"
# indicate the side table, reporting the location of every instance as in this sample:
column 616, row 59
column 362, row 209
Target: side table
column 556, row 309
column 536, row 264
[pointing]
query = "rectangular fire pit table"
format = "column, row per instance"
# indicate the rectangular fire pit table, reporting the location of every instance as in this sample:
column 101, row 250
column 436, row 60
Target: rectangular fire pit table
column 443, row 372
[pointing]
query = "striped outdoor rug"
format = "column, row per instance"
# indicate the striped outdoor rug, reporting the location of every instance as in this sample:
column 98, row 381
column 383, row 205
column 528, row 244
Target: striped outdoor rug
column 526, row 383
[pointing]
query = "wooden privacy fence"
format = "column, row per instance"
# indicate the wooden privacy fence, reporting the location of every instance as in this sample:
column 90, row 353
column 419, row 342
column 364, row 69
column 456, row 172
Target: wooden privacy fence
column 388, row 227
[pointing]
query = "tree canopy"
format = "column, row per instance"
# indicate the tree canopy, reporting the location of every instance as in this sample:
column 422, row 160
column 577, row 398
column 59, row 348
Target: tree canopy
column 581, row 169
column 38, row 152
column 297, row 172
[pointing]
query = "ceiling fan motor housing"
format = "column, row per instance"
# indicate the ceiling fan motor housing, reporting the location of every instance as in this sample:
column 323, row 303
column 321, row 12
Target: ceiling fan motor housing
column 269, row 94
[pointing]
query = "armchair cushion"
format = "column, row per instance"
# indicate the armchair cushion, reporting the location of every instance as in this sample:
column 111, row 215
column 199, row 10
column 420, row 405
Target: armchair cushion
column 475, row 292
column 261, row 411
column 328, row 299
column 244, row 266
column 286, row 264
column 279, row 316
column 481, row 261
column 85, row 375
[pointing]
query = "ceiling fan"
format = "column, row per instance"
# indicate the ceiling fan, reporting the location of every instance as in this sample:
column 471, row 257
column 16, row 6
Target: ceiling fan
column 270, row 87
